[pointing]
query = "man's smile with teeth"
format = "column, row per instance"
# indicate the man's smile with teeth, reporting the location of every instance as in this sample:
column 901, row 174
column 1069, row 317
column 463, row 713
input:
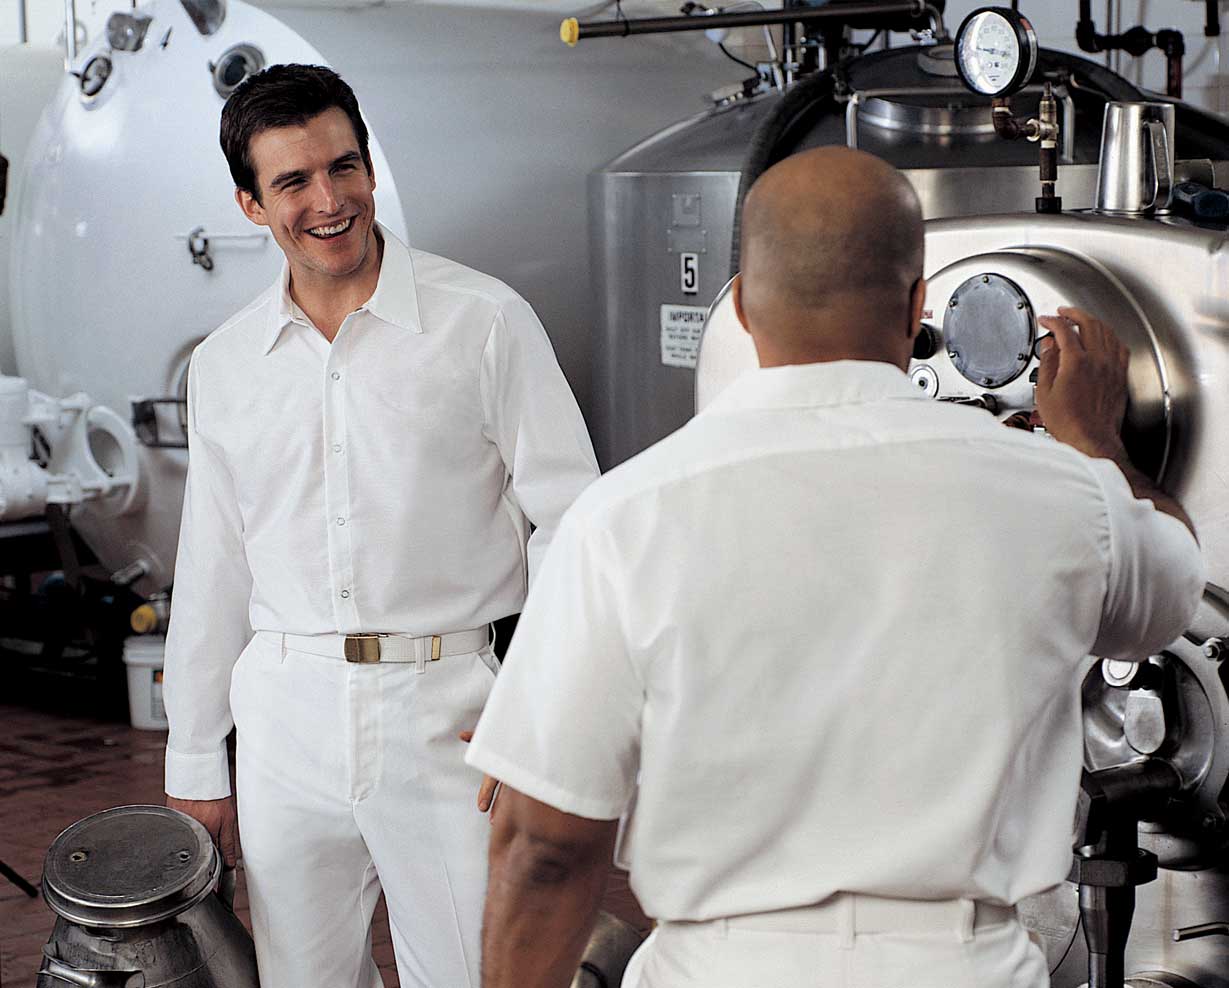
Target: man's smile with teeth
column 331, row 231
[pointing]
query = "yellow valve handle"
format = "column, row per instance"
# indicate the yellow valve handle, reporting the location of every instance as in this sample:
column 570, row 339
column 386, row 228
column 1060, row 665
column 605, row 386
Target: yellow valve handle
column 143, row 620
column 569, row 32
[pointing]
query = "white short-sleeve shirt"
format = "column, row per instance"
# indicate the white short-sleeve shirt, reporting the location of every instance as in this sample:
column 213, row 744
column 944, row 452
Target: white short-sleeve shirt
column 829, row 637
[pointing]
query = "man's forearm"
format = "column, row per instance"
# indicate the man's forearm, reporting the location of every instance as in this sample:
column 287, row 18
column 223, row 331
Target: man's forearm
column 541, row 904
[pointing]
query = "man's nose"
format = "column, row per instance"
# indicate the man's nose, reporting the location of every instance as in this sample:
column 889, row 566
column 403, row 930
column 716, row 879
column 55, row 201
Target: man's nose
column 325, row 198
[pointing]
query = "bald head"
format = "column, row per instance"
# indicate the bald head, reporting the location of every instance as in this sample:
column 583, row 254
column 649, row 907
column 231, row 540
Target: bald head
column 831, row 248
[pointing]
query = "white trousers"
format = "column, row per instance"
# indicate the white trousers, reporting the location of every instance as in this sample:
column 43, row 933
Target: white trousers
column 724, row 954
column 351, row 778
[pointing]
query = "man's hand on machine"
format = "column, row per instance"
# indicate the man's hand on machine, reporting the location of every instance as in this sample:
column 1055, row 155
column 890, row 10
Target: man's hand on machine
column 489, row 789
column 219, row 817
column 1082, row 383
column 1082, row 398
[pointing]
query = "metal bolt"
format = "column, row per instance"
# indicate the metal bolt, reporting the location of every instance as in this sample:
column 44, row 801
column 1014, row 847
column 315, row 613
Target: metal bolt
column 985, row 279
column 1019, row 305
column 1021, row 356
column 1214, row 649
column 185, row 856
column 952, row 303
column 988, row 381
column 77, row 857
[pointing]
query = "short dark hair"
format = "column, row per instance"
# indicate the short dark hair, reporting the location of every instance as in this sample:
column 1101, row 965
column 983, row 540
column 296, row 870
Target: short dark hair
column 282, row 96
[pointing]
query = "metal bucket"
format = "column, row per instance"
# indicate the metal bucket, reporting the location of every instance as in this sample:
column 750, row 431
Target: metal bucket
column 610, row 947
column 142, row 901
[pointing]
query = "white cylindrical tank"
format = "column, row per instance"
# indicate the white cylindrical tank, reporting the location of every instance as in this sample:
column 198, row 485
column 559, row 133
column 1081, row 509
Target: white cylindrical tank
column 122, row 175
column 29, row 77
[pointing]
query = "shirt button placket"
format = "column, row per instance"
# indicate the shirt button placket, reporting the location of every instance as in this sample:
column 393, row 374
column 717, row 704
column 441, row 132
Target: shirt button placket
column 337, row 486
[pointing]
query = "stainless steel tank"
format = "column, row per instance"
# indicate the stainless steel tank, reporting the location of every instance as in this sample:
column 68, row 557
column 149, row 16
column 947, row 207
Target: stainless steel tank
column 662, row 215
column 1163, row 284
column 135, row 889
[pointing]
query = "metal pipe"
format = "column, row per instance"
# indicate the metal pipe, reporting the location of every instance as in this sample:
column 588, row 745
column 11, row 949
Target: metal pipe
column 572, row 30
column 70, row 34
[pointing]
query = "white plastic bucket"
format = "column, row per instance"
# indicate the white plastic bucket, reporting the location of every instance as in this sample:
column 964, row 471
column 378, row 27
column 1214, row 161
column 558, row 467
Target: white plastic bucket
column 143, row 655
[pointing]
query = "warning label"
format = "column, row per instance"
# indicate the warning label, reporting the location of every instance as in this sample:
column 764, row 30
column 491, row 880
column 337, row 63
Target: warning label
column 681, row 326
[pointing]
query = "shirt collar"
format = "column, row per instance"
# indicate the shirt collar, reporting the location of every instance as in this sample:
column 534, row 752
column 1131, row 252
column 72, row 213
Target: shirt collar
column 837, row 382
column 395, row 299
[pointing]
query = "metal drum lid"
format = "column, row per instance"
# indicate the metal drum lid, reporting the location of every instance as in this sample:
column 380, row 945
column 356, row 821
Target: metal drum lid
column 129, row 866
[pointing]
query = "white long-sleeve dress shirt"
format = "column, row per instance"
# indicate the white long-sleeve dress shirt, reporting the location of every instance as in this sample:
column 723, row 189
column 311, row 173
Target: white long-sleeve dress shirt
column 382, row 483
column 829, row 636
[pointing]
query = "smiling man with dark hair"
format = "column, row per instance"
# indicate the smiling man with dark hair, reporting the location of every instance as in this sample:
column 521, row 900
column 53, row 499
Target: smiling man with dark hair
column 370, row 442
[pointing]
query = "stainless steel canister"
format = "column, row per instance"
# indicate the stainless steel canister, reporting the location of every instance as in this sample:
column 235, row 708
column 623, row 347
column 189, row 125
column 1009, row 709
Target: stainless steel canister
column 610, row 947
column 136, row 892
column 1137, row 158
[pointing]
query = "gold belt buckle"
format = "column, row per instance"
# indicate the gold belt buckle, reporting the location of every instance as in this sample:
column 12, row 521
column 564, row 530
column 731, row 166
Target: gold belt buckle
column 363, row 649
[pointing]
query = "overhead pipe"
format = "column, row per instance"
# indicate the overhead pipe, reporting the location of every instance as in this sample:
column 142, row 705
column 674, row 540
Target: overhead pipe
column 70, row 34
column 571, row 30
column 1137, row 41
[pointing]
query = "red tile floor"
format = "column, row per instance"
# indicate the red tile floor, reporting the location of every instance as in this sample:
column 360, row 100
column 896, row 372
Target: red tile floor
column 57, row 768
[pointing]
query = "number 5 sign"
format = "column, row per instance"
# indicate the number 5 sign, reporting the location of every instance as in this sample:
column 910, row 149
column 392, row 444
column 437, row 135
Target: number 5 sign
column 689, row 273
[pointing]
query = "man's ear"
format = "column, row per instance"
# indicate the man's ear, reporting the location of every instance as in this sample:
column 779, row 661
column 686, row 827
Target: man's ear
column 252, row 209
column 736, row 294
column 917, row 301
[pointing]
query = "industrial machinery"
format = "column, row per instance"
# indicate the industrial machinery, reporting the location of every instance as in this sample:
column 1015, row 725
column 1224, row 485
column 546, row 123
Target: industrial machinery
column 663, row 215
column 142, row 898
column 1147, row 904
column 128, row 250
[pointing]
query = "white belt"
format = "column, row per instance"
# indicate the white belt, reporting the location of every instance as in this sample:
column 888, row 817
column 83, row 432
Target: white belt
column 847, row 913
column 371, row 648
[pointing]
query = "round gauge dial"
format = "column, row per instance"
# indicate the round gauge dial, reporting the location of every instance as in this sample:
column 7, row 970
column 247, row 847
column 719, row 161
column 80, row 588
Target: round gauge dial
column 996, row 51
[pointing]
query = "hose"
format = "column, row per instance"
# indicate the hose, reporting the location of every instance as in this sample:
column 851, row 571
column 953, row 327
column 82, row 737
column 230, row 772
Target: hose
column 790, row 120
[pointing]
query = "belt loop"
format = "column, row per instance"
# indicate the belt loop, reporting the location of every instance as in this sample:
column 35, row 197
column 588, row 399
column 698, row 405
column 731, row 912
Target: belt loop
column 968, row 919
column 846, row 920
column 420, row 655
column 283, row 642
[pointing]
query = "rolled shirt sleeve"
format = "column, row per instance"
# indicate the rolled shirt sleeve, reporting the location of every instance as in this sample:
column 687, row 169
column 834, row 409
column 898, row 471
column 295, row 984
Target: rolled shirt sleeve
column 529, row 412
column 209, row 620
column 1156, row 573
column 562, row 725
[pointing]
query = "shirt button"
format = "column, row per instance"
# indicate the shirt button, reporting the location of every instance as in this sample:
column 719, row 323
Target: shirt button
column 335, row 376
column 341, row 521
column 345, row 594
column 336, row 447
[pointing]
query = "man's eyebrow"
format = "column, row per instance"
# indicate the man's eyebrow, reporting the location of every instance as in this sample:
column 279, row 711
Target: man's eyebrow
column 286, row 177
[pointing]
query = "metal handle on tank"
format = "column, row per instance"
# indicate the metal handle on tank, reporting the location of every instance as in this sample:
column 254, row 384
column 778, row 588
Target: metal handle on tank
column 226, row 886
column 1162, row 173
column 53, row 967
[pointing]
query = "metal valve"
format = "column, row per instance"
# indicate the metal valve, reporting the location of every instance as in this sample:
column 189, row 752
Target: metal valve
column 1201, row 930
column 198, row 247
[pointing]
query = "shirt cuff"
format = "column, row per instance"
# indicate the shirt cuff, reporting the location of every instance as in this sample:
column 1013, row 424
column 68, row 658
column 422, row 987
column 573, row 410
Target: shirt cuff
column 544, row 791
column 198, row 776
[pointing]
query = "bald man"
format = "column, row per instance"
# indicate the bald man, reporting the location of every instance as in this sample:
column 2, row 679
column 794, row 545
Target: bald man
column 820, row 650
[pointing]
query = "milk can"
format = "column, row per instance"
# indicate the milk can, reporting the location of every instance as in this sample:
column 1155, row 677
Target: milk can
column 139, row 893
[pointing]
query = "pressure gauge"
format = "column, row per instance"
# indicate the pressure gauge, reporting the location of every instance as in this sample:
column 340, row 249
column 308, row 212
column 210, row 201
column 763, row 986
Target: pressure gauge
column 996, row 51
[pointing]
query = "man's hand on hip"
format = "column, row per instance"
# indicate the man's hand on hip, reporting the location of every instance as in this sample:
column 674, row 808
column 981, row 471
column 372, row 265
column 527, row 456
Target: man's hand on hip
column 489, row 788
column 219, row 817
